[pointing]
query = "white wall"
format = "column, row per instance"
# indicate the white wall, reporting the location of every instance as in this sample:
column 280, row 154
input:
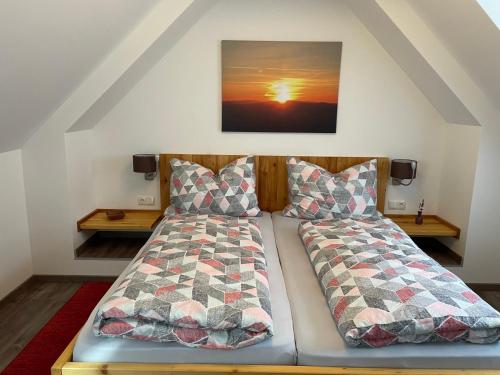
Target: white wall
column 461, row 146
column 82, row 192
column 15, row 254
column 48, row 191
column 176, row 106
column 53, row 206
column 482, row 255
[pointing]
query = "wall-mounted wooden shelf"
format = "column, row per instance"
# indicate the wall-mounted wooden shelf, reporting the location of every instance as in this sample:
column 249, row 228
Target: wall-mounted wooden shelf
column 433, row 226
column 134, row 220
column 426, row 236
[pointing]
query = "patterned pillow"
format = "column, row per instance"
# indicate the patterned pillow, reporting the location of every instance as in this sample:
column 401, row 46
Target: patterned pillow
column 197, row 190
column 315, row 193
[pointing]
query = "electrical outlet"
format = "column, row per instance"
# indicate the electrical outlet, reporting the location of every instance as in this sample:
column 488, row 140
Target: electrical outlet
column 145, row 200
column 397, row 205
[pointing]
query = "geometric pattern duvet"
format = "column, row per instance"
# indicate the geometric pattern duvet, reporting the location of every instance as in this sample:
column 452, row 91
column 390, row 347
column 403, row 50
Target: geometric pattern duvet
column 382, row 289
column 201, row 281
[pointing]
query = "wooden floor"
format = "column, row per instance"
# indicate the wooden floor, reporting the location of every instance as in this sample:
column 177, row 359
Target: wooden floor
column 491, row 296
column 25, row 311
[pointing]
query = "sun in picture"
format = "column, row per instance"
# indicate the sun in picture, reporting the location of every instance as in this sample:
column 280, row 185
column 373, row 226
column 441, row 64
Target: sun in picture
column 284, row 89
column 281, row 92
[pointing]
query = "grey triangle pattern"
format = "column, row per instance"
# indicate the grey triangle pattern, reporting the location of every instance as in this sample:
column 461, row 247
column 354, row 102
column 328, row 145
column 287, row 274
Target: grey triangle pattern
column 195, row 189
column 382, row 289
column 206, row 287
column 315, row 193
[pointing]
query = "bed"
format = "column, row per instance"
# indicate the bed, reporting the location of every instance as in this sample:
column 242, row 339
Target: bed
column 279, row 350
column 83, row 357
column 312, row 319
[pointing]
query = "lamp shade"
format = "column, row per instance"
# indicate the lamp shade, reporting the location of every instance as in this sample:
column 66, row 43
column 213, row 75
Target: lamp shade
column 403, row 169
column 145, row 163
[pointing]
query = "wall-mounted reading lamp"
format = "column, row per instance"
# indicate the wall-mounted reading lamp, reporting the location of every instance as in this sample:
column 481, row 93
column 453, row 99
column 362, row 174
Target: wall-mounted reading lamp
column 145, row 163
column 403, row 169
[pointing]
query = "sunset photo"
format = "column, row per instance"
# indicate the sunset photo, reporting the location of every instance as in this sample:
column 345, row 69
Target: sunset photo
column 280, row 86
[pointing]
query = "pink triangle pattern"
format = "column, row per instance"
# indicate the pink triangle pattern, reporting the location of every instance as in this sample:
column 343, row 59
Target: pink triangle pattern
column 382, row 289
column 195, row 189
column 315, row 193
column 201, row 281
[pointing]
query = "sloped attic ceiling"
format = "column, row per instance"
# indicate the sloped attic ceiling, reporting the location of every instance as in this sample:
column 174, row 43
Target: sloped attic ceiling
column 47, row 49
column 40, row 37
column 176, row 16
column 405, row 37
column 442, row 76
column 470, row 35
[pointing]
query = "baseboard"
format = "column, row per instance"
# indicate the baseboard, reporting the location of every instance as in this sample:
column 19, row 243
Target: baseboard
column 16, row 289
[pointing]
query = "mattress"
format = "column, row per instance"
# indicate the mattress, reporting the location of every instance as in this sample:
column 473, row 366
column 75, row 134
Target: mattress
column 319, row 342
column 278, row 350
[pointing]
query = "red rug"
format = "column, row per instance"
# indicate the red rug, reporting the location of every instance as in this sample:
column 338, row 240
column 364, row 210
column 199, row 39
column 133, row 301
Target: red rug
column 43, row 350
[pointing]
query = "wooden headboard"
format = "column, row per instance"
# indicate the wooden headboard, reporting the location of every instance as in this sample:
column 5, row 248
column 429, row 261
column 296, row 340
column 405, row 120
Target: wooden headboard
column 272, row 179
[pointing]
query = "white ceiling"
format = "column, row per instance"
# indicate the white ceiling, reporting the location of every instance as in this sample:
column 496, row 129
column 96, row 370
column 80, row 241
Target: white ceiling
column 47, row 48
column 470, row 35
column 383, row 19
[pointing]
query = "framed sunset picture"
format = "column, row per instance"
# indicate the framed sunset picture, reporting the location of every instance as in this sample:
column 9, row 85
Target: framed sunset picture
column 280, row 86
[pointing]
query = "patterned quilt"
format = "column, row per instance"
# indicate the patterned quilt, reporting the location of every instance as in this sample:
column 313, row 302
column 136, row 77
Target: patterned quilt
column 382, row 289
column 200, row 281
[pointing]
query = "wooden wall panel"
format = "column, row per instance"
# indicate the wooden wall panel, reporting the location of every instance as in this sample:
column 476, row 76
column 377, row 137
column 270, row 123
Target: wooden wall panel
column 272, row 177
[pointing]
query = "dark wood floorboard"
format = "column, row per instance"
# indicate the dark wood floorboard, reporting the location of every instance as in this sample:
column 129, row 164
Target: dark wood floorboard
column 27, row 310
column 492, row 297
